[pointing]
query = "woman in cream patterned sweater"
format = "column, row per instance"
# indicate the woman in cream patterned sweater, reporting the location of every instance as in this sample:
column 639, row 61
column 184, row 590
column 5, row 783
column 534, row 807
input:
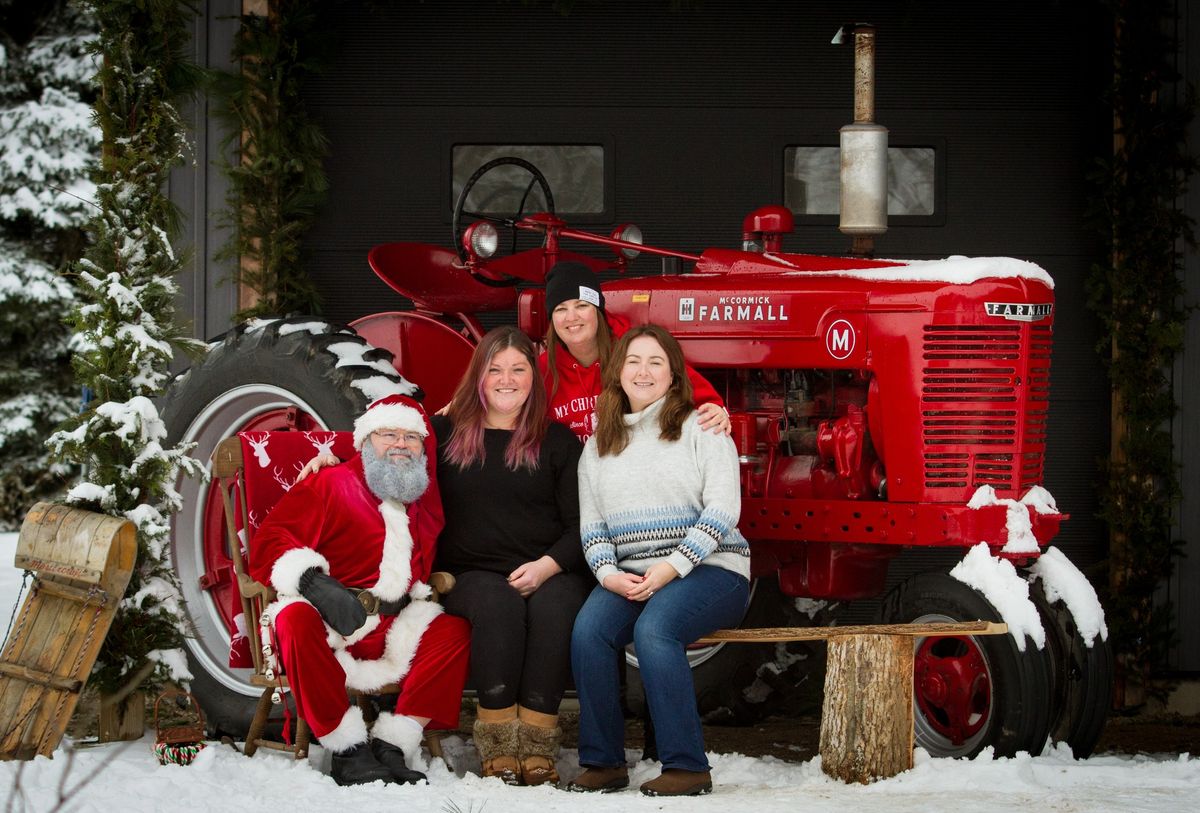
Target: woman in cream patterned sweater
column 659, row 502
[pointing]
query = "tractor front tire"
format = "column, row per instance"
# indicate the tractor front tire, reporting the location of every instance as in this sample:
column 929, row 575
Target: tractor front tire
column 971, row 692
column 1082, row 677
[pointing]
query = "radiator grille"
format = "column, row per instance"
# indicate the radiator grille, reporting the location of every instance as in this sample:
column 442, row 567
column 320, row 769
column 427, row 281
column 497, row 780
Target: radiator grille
column 984, row 396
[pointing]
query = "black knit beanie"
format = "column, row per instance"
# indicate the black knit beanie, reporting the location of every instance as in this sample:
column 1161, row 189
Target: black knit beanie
column 569, row 280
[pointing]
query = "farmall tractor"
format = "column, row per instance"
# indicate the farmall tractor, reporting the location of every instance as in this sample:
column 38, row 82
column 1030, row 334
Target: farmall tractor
column 877, row 407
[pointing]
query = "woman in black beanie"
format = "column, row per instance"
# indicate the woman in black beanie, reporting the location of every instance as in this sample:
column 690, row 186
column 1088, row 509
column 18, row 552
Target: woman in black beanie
column 578, row 343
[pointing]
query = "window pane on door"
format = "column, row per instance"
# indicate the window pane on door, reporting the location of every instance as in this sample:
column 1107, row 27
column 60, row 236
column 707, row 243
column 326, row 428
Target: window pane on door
column 575, row 173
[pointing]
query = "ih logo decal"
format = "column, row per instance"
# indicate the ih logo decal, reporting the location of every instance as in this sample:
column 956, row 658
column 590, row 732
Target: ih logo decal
column 687, row 309
column 839, row 339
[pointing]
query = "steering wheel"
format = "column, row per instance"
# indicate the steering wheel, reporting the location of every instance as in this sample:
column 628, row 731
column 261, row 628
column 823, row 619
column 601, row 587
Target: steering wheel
column 536, row 177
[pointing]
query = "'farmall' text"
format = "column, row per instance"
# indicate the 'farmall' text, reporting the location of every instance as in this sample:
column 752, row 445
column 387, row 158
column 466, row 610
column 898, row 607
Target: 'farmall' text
column 732, row 309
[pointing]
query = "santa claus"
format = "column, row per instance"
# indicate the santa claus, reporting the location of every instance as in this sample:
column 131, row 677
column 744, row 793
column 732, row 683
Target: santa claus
column 349, row 553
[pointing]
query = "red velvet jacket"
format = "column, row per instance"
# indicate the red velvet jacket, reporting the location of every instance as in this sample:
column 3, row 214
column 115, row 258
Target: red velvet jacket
column 334, row 522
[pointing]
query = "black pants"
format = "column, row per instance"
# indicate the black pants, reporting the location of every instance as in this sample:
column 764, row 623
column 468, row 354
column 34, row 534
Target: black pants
column 520, row 648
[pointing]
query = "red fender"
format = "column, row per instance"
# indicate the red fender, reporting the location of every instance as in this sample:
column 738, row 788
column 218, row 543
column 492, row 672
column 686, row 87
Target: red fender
column 429, row 353
column 434, row 279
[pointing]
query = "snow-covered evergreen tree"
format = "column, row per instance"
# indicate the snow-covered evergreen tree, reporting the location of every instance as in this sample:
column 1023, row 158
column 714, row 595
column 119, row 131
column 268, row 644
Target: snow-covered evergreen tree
column 126, row 324
column 48, row 148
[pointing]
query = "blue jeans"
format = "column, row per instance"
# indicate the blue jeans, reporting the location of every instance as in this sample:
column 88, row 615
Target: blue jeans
column 707, row 599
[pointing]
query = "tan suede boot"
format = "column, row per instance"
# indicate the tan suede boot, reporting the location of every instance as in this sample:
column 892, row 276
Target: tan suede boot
column 495, row 736
column 538, row 736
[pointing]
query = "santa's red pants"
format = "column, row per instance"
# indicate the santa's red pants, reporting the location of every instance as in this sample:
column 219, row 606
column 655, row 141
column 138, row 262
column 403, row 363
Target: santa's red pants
column 432, row 688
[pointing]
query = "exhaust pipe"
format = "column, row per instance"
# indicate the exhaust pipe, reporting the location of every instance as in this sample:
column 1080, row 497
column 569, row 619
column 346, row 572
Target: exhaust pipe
column 864, row 151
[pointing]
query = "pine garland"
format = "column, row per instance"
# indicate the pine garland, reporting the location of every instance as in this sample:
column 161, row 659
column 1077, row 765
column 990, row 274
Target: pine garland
column 126, row 323
column 278, row 181
column 1138, row 298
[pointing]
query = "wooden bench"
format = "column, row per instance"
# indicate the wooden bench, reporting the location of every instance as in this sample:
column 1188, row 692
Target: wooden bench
column 867, row 716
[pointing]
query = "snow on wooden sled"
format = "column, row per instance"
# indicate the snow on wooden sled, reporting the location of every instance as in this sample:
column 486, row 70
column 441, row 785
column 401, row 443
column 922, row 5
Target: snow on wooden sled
column 81, row 562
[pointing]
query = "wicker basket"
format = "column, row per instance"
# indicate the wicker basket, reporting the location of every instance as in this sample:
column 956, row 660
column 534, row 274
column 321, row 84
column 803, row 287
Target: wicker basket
column 179, row 744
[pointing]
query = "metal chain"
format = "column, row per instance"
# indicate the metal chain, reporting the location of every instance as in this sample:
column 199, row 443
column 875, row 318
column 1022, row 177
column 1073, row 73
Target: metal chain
column 14, row 638
column 24, row 580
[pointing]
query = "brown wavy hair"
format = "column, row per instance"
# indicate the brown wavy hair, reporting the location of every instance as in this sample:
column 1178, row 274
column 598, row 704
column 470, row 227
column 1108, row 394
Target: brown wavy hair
column 612, row 433
column 554, row 346
column 468, row 407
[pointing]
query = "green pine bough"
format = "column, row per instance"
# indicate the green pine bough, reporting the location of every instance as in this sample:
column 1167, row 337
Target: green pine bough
column 277, row 180
column 125, row 321
column 1139, row 299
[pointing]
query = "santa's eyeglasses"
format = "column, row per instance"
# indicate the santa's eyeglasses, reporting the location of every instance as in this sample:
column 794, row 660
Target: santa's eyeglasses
column 394, row 438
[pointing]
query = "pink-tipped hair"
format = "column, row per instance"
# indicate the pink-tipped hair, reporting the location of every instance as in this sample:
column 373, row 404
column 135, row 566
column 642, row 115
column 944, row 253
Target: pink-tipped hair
column 468, row 408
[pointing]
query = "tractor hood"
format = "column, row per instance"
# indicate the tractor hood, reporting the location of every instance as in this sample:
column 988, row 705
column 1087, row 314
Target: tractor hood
column 786, row 310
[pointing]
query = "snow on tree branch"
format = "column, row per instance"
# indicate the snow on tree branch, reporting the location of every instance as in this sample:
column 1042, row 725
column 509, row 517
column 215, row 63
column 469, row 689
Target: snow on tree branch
column 126, row 324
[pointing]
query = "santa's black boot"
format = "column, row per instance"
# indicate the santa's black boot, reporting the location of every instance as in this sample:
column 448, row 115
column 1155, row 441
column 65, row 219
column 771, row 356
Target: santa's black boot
column 358, row 766
column 392, row 758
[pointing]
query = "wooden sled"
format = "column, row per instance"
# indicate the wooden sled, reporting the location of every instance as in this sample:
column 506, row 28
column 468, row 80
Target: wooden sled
column 82, row 562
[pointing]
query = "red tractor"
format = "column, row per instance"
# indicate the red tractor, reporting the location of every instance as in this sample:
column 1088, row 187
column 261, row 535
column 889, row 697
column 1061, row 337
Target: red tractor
column 877, row 406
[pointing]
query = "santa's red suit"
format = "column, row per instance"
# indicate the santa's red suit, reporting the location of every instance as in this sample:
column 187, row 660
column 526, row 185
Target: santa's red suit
column 573, row 401
column 334, row 522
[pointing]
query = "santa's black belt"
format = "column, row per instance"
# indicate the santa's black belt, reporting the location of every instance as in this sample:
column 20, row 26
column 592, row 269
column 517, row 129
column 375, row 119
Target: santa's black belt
column 374, row 605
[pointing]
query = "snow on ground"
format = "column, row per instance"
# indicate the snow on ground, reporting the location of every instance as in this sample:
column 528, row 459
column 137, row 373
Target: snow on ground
column 127, row 777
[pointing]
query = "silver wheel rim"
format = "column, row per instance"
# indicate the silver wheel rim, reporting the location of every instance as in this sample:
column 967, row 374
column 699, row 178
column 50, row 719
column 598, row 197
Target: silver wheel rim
column 209, row 641
column 928, row 737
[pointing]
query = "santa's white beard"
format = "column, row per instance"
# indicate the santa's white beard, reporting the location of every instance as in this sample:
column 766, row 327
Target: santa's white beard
column 395, row 478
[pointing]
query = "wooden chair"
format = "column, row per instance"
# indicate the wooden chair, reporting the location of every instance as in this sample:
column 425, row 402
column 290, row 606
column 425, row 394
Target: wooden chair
column 228, row 471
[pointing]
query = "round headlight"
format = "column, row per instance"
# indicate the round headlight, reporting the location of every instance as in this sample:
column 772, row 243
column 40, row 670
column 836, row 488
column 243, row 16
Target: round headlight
column 629, row 233
column 481, row 239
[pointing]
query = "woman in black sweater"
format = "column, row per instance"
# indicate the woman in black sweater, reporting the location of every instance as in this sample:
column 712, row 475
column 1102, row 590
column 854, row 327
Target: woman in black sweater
column 507, row 476
column 510, row 494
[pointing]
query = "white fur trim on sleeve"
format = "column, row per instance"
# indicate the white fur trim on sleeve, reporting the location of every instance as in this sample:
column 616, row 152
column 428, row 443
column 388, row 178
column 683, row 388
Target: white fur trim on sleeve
column 351, row 731
column 288, row 568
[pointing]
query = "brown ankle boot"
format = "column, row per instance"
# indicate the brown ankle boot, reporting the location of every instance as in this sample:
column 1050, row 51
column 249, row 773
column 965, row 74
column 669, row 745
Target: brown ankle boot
column 538, row 737
column 677, row 782
column 603, row 780
column 495, row 735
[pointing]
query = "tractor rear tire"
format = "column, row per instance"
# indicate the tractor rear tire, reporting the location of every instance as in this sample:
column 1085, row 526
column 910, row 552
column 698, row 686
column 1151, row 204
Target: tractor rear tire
column 278, row 375
column 971, row 692
column 740, row 684
column 1082, row 675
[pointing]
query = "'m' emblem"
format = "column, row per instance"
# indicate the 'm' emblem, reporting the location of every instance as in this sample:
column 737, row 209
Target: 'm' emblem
column 839, row 339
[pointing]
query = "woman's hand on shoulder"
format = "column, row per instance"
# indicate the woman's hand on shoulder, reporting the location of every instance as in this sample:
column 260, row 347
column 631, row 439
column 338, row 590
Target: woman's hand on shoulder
column 527, row 578
column 316, row 464
column 713, row 418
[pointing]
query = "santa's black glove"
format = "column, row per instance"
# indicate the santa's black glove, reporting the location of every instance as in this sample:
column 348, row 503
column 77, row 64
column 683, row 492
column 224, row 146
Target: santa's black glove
column 337, row 605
